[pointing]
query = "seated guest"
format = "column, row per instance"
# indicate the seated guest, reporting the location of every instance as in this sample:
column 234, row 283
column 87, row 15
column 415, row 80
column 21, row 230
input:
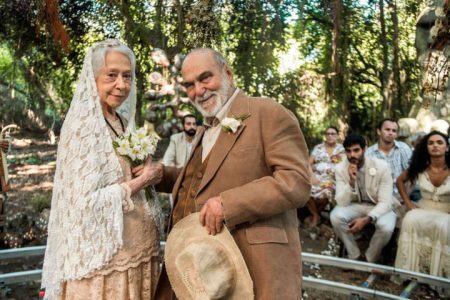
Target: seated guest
column 322, row 161
column 363, row 196
column 181, row 143
column 392, row 151
column 424, row 243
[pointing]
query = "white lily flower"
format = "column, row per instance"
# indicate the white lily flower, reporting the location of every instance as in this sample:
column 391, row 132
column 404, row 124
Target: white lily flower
column 141, row 133
column 147, row 146
column 134, row 139
column 134, row 152
column 123, row 147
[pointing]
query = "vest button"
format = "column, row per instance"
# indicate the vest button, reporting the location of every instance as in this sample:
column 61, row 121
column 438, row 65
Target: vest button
column 199, row 175
column 193, row 193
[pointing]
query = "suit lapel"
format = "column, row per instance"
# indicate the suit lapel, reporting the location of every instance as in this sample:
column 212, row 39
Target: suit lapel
column 369, row 179
column 225, row 142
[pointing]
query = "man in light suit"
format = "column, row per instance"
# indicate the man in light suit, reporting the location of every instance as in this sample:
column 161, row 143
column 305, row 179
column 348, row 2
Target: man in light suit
column 247, row 171
column 181, row 143
column 363, row 196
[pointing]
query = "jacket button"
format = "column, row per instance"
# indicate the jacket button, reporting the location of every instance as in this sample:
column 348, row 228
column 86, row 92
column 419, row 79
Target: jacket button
column 193, row 193
column 199, row 175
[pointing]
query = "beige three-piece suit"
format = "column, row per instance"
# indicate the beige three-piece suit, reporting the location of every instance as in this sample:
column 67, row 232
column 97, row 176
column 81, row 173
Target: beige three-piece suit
column 260, row 172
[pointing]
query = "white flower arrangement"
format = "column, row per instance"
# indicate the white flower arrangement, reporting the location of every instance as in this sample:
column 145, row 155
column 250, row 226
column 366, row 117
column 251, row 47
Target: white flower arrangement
column 232, row 124
column 137, row 145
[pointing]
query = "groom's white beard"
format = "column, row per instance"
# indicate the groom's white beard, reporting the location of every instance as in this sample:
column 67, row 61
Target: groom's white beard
column 221, row 98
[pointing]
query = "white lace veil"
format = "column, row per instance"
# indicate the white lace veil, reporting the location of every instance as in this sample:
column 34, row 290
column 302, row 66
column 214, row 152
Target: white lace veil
column 86, row 219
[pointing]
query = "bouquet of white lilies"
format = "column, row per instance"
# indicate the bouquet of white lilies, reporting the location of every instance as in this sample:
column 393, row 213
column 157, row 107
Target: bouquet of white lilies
column 136, row 145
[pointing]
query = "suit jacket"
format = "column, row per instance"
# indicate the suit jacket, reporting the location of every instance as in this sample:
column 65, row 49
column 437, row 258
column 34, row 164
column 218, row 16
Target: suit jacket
column 378, row 182
column 177, row 152
column 261, row 174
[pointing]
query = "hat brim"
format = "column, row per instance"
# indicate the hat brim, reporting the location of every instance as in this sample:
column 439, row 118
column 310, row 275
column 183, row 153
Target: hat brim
column 189, row 230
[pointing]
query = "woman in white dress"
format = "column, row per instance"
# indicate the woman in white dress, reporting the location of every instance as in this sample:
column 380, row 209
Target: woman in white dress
column 424, row 242
column 103, row 241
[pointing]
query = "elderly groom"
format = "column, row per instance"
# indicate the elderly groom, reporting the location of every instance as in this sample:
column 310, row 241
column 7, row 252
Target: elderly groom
column 363, row 196
column 248, row 172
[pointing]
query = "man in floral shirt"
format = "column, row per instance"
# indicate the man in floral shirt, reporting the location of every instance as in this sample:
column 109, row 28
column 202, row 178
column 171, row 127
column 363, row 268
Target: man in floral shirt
column 397, row 154
column 363, row 196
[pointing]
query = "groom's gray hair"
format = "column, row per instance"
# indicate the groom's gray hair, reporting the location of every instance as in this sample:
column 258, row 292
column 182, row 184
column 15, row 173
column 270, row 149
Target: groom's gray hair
column 218, row 57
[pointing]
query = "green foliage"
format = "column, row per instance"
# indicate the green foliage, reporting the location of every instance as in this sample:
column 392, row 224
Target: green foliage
column 33, row 160
column 40, row 201
column 36, row 75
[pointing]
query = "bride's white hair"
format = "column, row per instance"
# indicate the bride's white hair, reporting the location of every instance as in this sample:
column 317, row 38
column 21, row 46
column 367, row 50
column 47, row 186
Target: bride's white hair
column 100, row 50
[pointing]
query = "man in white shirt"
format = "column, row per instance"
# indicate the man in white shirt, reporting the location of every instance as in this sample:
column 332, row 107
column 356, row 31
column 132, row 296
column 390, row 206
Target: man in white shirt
column 363, row 196
column 181, row 143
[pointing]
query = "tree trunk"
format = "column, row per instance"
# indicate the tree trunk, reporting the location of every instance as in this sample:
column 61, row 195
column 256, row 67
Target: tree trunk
column 159, row 20
column 384, row 76
column 180, row 26
column 130, row 39
column 396, row 90
column 339, row 88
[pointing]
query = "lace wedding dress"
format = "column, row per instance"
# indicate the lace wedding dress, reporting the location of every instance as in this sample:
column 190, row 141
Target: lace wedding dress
column 424, row 242
column 102, row 243
column 133, row 271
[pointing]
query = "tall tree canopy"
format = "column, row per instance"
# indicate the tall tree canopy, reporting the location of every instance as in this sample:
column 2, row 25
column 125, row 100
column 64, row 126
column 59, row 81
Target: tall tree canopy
column 340, row 62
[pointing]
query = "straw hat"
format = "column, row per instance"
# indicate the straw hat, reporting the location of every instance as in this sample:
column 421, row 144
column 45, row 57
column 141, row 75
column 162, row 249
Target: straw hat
column 202, row 266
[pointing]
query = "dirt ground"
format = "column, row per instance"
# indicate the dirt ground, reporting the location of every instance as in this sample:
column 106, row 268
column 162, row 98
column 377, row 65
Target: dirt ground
column 32, row 165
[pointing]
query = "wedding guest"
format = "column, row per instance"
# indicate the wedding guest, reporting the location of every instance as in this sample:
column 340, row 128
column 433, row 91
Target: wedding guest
column 322, row 161
column 103, row 240
column 394, row 152
column 424, row 242
column 363, row 196
column 181, row 143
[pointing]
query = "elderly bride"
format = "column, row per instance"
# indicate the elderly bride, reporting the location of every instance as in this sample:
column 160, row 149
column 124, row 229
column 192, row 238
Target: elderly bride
column 103, row 241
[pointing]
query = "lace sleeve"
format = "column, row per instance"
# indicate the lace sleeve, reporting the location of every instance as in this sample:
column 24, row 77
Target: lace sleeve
column 127, row 202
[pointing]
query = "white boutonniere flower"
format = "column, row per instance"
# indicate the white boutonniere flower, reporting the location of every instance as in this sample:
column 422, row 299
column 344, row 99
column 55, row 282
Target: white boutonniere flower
column 372, row 171
column 232, row 124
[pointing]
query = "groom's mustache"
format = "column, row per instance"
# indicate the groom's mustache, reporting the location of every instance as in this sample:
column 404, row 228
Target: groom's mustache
column 205, row 96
